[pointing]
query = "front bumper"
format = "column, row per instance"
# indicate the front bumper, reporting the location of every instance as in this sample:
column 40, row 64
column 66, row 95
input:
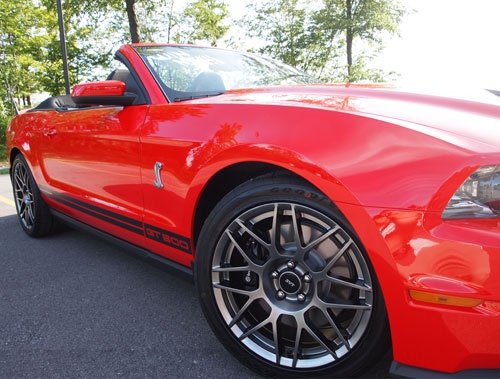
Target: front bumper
column 449, row 261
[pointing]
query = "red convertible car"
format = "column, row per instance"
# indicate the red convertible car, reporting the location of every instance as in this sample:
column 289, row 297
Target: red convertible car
column 323, row 224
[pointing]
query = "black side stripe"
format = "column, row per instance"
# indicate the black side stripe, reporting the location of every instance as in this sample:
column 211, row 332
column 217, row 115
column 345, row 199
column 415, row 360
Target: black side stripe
column 156, row 234
column 102, row 214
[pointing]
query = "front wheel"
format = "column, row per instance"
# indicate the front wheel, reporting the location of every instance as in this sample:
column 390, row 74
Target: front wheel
column 285, row 284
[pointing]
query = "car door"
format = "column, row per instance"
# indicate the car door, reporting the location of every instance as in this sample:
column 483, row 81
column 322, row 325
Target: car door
column 90, row 159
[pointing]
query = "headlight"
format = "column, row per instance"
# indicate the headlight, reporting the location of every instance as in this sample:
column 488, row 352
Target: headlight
column 477, row 197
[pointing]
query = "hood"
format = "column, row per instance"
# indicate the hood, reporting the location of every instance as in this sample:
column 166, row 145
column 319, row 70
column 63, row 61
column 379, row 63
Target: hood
column 473, row 120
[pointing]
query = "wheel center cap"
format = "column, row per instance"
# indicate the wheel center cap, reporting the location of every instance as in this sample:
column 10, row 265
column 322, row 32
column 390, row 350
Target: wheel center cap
column 290, row 283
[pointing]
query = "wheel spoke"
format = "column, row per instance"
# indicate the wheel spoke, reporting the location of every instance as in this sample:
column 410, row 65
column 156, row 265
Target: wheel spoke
column 323, row 237
column 253, row 235
column 31, row 215
column 335, row 327
column 297, row 231
column 230, row 269
column 336, row 257
column 343, row 305
column 18, row 182
column 23, row 213
column 296, row 346
column 253, row 330
column 361, row 287
column 275, row 228
column 232, row 289
column 276, row 339
column 21, row 206
column 24, row 217
column 240, row 313
column 318, row 336
column 246, row 257
column 19, row 197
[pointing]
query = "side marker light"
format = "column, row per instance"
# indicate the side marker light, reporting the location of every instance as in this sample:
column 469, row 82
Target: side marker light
column 434, row 298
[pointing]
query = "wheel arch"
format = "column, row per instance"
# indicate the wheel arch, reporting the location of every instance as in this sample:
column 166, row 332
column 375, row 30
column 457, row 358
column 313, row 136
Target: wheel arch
column 223, row 182
column 13, row 154
column 230, row 177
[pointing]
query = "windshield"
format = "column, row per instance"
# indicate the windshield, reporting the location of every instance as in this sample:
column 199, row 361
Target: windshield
column 186, row 72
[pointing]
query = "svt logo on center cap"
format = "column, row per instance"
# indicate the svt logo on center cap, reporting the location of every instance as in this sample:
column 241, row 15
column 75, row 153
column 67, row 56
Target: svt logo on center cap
column 290, row 282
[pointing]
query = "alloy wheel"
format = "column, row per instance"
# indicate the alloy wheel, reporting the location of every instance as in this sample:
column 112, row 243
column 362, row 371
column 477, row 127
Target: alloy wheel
column 292, row 285
column 24, row 197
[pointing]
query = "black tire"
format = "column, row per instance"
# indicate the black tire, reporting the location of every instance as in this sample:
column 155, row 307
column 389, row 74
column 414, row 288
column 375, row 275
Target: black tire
column 32, row 211
column 285, row 284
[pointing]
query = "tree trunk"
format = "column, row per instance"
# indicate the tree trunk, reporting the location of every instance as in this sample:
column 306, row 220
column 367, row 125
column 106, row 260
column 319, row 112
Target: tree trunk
column 135, row 31
column 349, row 38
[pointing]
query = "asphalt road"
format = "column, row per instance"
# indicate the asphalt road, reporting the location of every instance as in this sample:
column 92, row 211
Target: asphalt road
column 75, row 306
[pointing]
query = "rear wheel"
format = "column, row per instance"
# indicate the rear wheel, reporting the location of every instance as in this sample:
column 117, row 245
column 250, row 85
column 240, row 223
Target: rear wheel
column 33, row 213
column 286, row 285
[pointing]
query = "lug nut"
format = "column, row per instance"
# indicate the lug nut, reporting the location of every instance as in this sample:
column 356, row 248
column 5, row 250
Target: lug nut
column 301, row 297
column 291, row 265
column 275, row 274
column 308, row 278
column 280, row 295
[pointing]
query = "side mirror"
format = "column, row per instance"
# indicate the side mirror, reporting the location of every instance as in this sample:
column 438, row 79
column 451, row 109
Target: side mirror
column 107, row 92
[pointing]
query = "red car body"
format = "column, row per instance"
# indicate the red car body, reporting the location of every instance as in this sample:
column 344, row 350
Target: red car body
column 390, row 161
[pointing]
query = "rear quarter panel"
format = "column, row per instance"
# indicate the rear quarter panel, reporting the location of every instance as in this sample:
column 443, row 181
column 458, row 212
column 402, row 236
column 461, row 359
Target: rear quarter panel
column 23, row 135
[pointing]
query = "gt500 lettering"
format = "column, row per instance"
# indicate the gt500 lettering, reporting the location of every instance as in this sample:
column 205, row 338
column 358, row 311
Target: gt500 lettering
column 168, row 238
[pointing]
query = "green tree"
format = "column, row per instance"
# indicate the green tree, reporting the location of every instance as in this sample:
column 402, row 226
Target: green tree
column 21, row 42
column 205, row 19
column 4, row 120
column 96, row 10
column 162, row 20
column 316, row 37
column 136, row 12
column 282, row 28
column 366, row 21
column 17, row 80
column 84, row 54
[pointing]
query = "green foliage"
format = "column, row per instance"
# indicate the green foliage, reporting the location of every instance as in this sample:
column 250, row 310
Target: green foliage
column 363, row 21
column 315, row 37
column 282, row 26
column 20, row 47
column 205, row 19
column 4, row 120
column 162, row 22
column 30, row 52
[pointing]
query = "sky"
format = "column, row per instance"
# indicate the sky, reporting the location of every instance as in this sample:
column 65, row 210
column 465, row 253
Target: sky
column 447, row 42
